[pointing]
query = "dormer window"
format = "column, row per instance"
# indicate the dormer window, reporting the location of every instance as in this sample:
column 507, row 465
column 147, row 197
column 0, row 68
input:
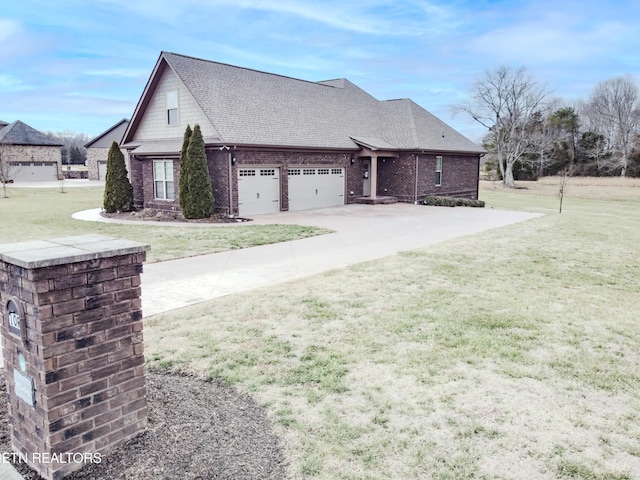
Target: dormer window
column 172, row 107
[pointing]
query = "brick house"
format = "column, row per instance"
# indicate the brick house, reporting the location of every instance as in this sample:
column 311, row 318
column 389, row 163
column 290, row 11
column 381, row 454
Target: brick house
column 276, row 143
column 28, row 155
column 98, row 150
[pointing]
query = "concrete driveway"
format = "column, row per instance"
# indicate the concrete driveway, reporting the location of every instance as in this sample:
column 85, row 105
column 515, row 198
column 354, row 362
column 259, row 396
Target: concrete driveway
column 363, row 232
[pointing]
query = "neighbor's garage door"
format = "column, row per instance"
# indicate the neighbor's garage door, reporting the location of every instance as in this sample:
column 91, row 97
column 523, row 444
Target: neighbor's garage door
column 34, row 171
column 258, row 190
column 102, row 170
column 315, row 187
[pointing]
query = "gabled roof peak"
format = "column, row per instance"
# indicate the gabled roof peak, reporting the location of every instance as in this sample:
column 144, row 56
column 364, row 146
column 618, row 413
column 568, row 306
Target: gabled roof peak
column 19, row 133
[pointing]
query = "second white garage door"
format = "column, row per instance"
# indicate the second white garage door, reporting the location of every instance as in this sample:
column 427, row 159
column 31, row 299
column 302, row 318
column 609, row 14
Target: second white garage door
column 315, row 188
column 258, row 190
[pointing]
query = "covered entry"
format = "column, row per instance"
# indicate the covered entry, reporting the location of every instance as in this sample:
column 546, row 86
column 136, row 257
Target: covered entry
column 258, row 190
column 315, row 187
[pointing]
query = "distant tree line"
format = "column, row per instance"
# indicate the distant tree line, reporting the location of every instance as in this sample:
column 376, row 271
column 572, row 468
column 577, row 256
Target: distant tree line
column 73, row 151
column 530, row 134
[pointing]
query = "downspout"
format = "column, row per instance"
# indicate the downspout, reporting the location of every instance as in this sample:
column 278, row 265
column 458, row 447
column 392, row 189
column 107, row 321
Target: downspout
column 415, row 198
column 229, row 156
column 478, row 183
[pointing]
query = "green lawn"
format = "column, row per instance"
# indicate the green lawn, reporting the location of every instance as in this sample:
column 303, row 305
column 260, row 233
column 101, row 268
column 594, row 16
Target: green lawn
column 46, row 213
column 510, row 354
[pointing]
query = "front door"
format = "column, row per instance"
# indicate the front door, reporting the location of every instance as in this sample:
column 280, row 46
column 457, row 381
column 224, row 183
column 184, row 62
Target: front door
column 366, row 178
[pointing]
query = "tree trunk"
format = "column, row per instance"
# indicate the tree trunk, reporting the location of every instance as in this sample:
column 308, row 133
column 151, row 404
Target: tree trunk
column 508, row 180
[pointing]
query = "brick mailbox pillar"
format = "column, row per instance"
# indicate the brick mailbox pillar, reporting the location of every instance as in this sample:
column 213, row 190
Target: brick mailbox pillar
column 73, row 350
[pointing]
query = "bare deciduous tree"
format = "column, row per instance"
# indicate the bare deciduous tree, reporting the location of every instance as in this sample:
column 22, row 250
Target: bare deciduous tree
column 614, row 111
column 8, row 171
column 504, row 102
column 565, row 174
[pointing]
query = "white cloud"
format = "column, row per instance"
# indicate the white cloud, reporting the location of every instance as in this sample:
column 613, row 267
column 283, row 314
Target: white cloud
column 9, row 83
column 8, row 28
column 118, row 72
column 369, row 17
column 545, row 41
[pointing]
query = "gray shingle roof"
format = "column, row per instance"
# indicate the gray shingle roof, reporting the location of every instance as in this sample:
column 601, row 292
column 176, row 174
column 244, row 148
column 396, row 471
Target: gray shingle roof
column 19, row 133
column 249, row 107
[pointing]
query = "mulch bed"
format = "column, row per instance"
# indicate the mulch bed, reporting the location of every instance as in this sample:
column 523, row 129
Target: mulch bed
column 166, row 216
column 197, row 430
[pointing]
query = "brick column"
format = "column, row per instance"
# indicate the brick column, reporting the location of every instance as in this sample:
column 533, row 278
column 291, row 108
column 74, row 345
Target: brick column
column 73, row 348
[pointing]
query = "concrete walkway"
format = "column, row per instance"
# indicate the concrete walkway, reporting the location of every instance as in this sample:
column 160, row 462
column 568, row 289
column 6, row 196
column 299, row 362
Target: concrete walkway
column 363, row 232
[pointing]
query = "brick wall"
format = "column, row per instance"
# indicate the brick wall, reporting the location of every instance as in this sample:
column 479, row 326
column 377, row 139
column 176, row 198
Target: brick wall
column 396, row 176
column 218, row 161
column 285, row 160
column 96, row 155
column 29, row 153
column 84, row 353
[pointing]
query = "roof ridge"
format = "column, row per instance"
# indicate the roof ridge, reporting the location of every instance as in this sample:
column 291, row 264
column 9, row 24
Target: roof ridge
column 250, row 69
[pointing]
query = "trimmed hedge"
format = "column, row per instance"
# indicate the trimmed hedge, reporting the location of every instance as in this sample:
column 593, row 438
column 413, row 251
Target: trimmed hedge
column 452, row 202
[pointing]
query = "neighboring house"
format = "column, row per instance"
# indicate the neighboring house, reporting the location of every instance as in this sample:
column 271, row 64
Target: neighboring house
column 28, row 155
column 98, row 150
column 277, row 143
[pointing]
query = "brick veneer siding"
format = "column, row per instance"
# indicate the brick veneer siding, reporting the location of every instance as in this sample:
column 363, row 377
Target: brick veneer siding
column 396, row 176
column 31, row 153
column 100, row 155
column 285, row 160
column 218, row 163
column 84, row 353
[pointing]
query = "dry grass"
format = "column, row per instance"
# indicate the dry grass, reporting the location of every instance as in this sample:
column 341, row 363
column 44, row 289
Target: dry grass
column 41, row 213
column 510, row 354
column 605, row 188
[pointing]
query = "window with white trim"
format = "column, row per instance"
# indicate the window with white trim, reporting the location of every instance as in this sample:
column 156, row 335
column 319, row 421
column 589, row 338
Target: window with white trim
column 172, row 107
column 163, row 180
column 438, row 171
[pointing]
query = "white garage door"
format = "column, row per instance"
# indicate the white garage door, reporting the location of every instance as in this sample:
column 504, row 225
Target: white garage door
column 258, row 190
column 102, row 170
column 315, row 187
column 34, row 171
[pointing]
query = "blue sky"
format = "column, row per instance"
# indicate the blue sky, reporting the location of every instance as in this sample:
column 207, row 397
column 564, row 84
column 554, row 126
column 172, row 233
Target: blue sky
column 81, row 66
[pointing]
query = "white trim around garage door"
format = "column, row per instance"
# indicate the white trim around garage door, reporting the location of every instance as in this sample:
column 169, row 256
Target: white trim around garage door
column 258, row 189
column 33, row 171
column 315, row 187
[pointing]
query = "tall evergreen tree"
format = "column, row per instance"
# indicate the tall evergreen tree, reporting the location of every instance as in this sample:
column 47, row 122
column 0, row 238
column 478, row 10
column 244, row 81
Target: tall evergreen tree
column 118, row 192
column 200, row 199
column 183, row 194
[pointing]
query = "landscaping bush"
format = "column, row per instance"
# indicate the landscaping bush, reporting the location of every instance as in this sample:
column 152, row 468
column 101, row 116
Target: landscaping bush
column 118, row 192
column 198, row 201
column 452, row 202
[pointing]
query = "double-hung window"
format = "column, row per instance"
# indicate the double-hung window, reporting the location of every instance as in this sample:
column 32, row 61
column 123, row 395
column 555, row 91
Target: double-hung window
column 163, row 179
column 438, row 171
column 172, row 107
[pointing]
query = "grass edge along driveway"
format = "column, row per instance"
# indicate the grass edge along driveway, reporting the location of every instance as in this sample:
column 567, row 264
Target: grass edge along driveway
column 43, row 213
